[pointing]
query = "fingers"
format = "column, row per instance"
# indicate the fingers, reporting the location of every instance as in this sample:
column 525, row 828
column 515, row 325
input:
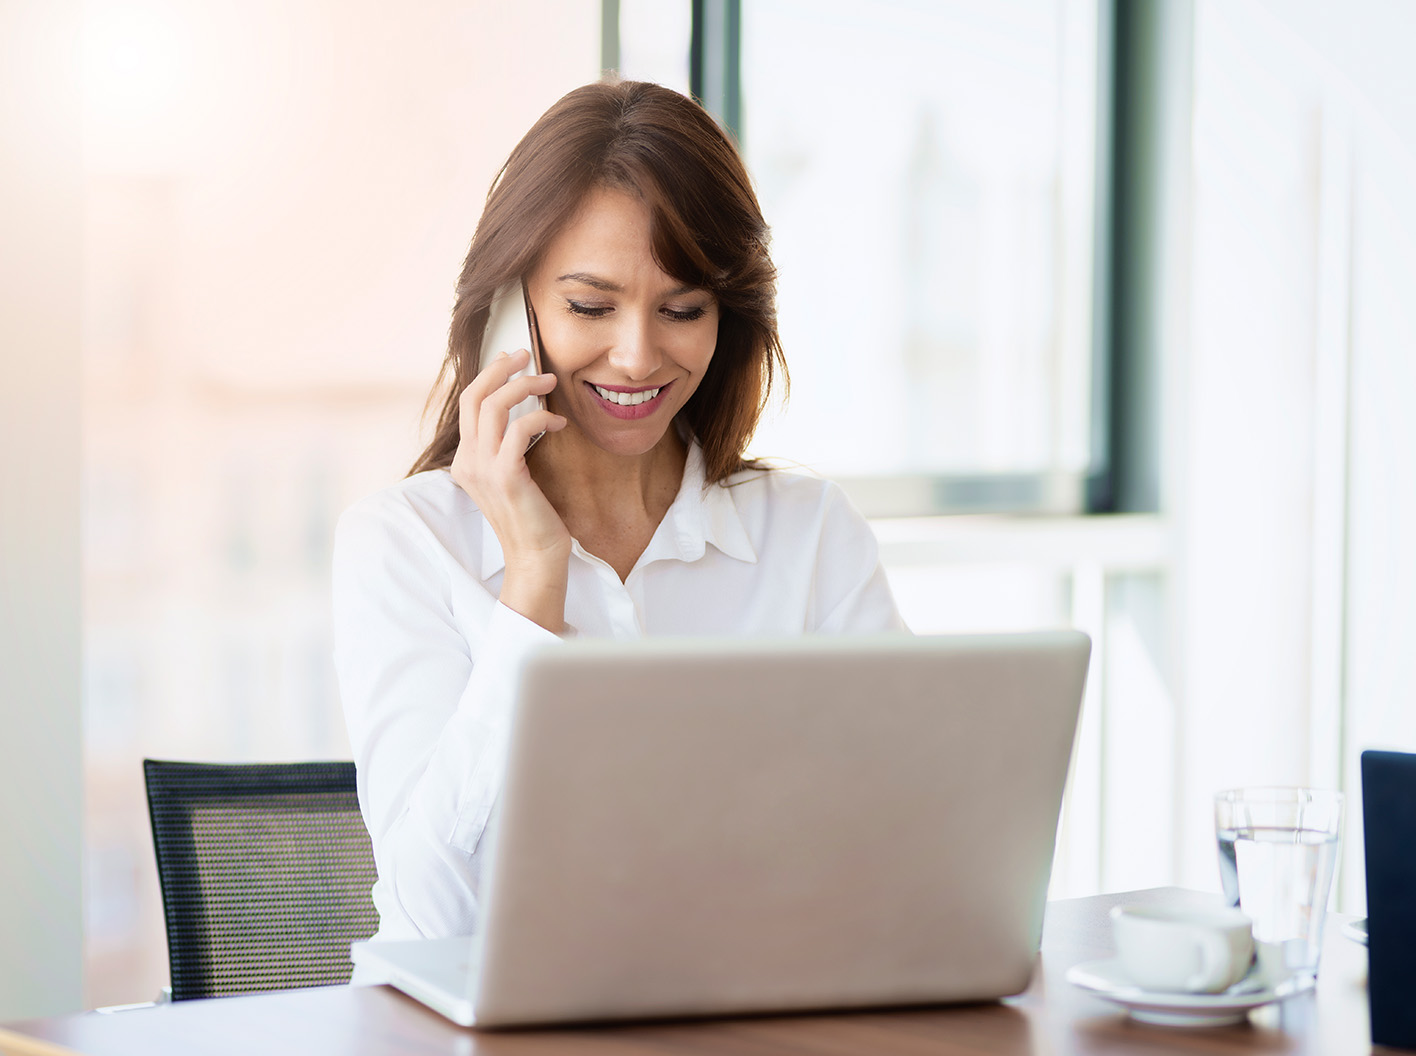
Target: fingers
column 495, row 412
column 499, row 368
column 493, row 375
column 524, row 430
column 492, row 445
column 490, row 379
column 490, row 462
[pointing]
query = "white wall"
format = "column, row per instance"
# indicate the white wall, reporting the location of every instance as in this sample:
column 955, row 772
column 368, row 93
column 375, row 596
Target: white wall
column 1299, row 441
column 40, row 909
column 1379, row 656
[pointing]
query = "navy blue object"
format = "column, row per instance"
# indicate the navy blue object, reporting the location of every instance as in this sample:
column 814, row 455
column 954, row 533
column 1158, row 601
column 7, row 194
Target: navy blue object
column 1389, row 824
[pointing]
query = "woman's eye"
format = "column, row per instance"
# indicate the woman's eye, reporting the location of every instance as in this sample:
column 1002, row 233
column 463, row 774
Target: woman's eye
column 686, row 315
column 595, row 311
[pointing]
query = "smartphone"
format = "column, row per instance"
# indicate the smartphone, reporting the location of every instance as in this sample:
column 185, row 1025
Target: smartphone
column 512, row 325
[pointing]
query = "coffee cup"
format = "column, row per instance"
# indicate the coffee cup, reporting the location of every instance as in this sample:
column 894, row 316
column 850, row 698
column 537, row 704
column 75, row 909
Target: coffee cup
column 1188, row 951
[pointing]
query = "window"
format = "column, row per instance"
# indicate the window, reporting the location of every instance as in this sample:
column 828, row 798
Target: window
column 275, row 213
column 928, row 170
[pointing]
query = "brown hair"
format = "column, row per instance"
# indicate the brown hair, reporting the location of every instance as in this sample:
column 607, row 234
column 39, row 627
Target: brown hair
column 706, row 230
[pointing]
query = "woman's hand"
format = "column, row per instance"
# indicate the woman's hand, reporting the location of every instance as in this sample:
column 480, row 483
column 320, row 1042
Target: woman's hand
column 490, row 465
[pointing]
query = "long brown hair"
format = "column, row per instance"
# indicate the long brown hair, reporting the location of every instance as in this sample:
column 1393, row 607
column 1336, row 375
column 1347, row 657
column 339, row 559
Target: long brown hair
column 706, row 230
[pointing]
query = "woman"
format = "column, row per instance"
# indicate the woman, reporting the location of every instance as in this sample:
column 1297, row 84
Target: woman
column 632, row 222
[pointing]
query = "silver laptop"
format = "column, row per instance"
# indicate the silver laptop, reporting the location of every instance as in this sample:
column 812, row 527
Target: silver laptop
column 702, row 827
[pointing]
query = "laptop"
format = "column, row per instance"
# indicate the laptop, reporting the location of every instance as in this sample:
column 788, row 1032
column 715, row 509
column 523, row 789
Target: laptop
column 696, row 827
column 1389, row 848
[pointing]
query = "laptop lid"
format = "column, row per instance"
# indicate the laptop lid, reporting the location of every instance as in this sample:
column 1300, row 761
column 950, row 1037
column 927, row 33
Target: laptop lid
column 692, row 827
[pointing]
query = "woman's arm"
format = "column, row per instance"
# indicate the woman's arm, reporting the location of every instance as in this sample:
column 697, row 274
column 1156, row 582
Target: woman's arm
column 490, row 466
column 851, row 594
column 427, row 663
column 427, row 677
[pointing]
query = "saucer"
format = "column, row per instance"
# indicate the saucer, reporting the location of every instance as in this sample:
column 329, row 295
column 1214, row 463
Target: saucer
column 1107, row 980
column 1356, row 931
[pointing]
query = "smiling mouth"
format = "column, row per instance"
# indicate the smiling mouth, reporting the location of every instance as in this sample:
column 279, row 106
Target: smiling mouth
column 629, row 404
column 626, row 399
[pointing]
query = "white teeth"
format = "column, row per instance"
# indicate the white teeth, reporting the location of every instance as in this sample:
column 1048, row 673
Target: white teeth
column 627, row 399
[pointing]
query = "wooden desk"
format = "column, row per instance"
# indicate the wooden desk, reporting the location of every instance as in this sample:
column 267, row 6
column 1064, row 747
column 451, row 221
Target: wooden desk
column 1052, row 1017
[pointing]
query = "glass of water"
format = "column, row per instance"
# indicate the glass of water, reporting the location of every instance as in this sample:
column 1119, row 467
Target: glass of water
column 1277, row 856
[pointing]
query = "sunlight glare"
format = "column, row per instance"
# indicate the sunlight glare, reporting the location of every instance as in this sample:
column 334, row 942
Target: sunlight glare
column 135, row 70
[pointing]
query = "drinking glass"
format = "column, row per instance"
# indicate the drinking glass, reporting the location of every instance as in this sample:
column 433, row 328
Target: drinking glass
column 1277, row 855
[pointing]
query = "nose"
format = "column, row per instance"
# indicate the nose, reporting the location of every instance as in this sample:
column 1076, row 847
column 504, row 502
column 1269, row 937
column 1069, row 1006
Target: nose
column 635, row 353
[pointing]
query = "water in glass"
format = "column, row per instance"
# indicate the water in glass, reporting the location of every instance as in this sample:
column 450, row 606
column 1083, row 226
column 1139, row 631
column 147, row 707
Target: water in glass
column 1280, row 877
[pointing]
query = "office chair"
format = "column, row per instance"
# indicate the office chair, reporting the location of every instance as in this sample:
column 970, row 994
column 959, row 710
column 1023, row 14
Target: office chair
column 266, row 873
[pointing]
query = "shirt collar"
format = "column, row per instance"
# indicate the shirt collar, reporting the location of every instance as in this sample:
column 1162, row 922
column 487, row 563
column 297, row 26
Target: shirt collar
column 700, row 514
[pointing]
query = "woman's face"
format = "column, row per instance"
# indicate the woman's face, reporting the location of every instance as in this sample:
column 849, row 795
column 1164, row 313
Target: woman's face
column 627, row 343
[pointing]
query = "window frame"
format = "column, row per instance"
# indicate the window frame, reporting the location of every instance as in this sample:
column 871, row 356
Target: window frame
column 1124, row 422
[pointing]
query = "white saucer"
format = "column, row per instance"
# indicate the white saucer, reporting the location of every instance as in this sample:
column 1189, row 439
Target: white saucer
column 1356, row 931
column 1107, row 980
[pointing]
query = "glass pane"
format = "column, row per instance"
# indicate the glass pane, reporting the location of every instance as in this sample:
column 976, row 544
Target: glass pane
column 654, row 42
column 927, row 169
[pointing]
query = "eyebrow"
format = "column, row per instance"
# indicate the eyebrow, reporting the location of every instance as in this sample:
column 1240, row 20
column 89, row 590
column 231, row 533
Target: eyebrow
column 597, row 283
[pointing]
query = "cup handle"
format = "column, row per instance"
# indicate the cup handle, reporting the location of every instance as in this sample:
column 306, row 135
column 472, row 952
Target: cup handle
column 1215, row 963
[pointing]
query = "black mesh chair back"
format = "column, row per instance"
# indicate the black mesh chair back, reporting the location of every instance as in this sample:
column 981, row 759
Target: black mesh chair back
column 266, row 873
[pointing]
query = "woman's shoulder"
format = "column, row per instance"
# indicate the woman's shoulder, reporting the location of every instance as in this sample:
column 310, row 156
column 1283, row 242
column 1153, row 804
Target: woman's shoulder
column 427, row 507
column 779, row 477
column 431, row 492
column 789, row 491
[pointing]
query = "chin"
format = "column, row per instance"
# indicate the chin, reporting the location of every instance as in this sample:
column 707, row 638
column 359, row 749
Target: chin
column 628, row 443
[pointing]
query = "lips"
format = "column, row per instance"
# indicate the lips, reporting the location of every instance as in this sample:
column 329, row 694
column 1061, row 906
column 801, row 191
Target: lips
column 625, row 397
column 626, row 403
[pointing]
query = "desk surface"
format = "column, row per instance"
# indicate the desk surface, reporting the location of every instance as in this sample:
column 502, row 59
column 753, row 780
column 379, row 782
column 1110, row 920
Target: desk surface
column 1050, row 1017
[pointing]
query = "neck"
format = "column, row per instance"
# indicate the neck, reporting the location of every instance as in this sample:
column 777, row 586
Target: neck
column 588, row 485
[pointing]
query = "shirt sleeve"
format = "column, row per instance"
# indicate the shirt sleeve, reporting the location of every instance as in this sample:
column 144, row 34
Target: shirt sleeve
column 427, row 681
column 850, row 593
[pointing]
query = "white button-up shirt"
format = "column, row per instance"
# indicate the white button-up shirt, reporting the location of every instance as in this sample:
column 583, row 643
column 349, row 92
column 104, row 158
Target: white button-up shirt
column 427, row 657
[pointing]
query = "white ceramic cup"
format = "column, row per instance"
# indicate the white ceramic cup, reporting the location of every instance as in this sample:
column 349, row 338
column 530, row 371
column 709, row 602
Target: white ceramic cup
column 1189, row 951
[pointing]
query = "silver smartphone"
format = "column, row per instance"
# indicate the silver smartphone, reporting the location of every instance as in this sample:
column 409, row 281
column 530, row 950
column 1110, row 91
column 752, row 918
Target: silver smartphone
column 512, row 325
